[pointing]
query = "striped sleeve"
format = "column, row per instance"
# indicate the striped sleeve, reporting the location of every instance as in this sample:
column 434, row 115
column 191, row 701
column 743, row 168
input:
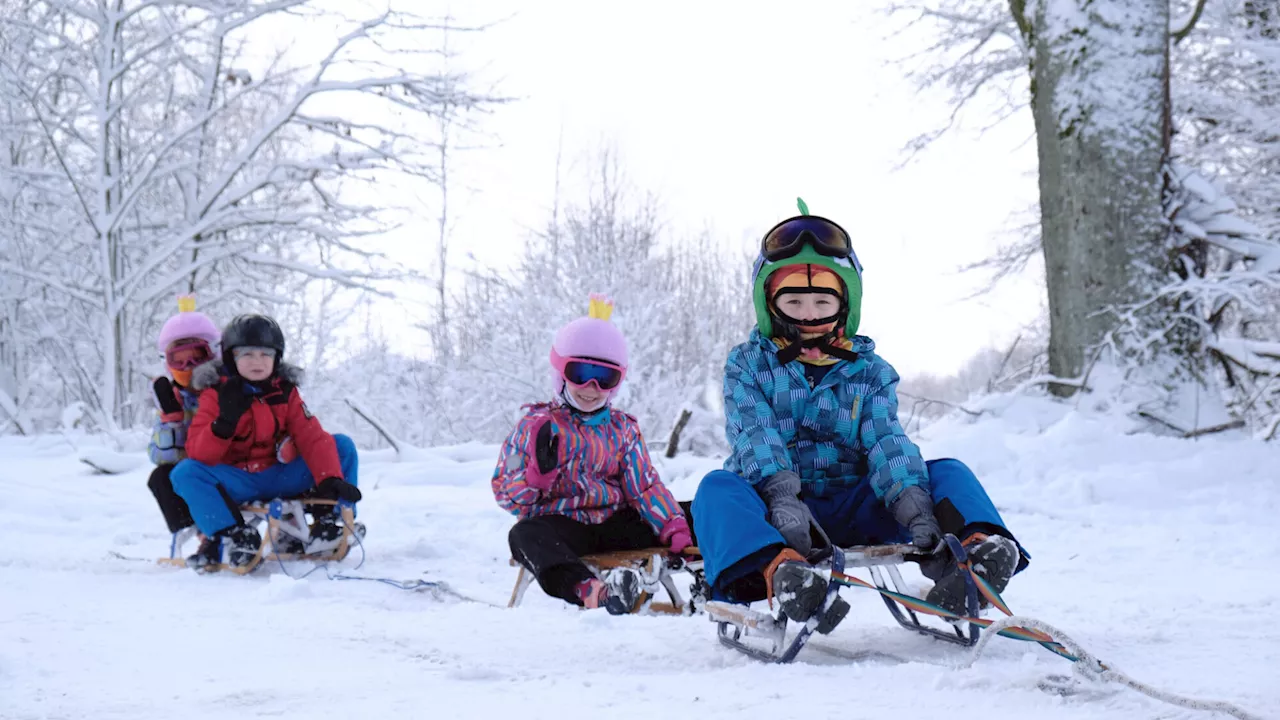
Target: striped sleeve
column 509, row 487
column 641, row 484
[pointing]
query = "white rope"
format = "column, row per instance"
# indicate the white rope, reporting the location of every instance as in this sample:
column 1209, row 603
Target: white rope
column 1091, row 668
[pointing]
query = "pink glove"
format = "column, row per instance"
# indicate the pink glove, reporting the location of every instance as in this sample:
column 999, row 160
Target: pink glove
column 542, row 456
column 675, row 534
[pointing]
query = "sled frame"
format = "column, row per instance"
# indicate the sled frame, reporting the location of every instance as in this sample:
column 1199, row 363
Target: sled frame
column 277, row 517
column 735, row 622
column 656, row 567
column 730, row 629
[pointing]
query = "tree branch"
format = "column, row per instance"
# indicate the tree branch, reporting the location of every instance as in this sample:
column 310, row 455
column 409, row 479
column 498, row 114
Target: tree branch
column 1180, row 35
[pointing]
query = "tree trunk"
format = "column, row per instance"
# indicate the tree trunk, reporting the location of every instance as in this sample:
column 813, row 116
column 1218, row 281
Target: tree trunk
column 1100, row 98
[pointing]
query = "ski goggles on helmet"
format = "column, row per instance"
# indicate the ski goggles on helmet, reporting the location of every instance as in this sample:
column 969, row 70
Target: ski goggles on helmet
column 789, row 237
column 581, row 371
column 186, row 356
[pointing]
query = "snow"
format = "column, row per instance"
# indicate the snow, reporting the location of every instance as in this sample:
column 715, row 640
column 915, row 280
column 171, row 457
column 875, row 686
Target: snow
column 1154, row 553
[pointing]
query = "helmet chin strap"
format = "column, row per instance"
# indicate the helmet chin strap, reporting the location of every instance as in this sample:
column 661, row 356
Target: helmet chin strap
column 823, row 343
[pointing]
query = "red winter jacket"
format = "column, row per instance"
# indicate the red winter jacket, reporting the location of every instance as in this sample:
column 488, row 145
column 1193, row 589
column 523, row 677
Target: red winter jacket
column 275, row 414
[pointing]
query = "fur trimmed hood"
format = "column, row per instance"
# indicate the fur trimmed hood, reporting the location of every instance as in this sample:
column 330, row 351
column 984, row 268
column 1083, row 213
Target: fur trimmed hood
column 210, row 375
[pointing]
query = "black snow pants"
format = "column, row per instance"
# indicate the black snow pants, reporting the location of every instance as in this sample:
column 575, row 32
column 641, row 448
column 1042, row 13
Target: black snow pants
column 550, row 546
column 172, row 506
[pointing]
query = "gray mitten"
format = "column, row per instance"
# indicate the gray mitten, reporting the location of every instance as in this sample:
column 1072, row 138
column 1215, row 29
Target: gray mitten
column 913, row 509
column 787, row 512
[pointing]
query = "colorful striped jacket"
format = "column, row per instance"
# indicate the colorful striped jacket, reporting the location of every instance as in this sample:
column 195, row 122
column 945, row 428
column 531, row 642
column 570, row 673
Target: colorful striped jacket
column 604, row 468
column 841, row 433
column 169, row 438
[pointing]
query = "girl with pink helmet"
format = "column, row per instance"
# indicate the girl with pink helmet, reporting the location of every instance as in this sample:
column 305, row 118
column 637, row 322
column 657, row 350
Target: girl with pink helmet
column 186, row 340
column 576, row 472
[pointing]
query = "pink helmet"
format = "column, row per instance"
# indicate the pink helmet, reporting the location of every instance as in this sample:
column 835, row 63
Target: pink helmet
column 592, row 337
column 188, row 324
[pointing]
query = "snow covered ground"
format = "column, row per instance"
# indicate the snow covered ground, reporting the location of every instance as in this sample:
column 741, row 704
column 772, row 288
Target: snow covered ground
column 1158, row 555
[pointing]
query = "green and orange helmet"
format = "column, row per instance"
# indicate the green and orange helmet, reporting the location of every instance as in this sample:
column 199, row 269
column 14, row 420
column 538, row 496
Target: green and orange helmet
column 807, row 240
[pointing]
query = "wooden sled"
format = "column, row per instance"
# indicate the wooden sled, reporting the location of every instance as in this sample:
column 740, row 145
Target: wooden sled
column 279, row 517
column 656, row 567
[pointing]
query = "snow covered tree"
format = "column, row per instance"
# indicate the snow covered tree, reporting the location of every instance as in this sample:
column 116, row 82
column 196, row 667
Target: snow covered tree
column 682, row 303
column 1099, row 96
column 164, row 151
column 1203, row 305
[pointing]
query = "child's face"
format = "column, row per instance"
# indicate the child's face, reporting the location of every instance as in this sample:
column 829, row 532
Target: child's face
column 807, row 306
column 588, row 398
column 254, row 363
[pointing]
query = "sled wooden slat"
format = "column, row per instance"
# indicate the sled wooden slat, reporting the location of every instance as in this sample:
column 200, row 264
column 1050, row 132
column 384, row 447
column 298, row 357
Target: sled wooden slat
column 338, row 554
column 601, row 562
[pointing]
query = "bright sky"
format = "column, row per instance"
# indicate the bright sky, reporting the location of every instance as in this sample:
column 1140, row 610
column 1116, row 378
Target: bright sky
column 728, row 111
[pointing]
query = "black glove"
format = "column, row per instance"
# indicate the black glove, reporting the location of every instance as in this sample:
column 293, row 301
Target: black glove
column 546, row 448
column 164, row 395
column 787, row 512
column 332, row 488
column 232, row 403
column 913, row 509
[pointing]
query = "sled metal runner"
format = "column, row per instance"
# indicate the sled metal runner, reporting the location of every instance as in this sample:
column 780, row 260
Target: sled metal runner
column 737, row 622
column 280, row 517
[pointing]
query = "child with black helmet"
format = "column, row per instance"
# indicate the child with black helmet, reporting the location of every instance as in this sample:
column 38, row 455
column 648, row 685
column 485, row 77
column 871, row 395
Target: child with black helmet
column 249, row 405
column 812, row 422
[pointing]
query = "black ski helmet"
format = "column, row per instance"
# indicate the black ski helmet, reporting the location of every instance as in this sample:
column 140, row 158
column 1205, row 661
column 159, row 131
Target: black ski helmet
column 251, row 331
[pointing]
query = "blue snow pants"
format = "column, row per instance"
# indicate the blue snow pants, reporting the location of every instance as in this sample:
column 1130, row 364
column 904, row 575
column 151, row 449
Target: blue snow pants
column 731, row 521
column 203, row 486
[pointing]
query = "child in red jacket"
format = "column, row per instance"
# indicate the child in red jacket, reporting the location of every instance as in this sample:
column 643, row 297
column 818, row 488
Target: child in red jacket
column 248, row 405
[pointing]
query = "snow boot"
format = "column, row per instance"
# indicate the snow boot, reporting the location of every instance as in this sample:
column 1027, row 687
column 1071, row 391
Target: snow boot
column 326, row 534
column 994, row 558
column 208, row 556
column 801, row 591
column 286, row 544
column 243, row 543
column 619, row 592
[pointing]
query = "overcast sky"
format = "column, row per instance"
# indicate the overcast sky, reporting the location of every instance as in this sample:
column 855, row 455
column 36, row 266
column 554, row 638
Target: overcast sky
column 728, row 111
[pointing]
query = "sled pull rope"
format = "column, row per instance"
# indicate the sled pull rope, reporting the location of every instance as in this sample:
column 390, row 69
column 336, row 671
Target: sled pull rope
column 1092, row 668
column 1020, row 627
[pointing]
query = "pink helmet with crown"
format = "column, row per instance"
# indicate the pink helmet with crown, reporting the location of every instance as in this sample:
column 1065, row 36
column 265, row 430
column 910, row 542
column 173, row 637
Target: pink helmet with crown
column 592, row 337
column 188, row 324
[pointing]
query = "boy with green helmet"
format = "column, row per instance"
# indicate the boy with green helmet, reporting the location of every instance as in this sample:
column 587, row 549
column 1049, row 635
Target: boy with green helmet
column 817, row 452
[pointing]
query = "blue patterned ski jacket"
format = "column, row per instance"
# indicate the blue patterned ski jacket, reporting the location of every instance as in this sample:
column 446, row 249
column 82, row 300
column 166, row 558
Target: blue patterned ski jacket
column 169, row 437
column 842, row 433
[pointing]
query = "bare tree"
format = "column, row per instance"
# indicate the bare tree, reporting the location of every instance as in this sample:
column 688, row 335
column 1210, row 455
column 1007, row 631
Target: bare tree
column 455, row 126
column 174, row 163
